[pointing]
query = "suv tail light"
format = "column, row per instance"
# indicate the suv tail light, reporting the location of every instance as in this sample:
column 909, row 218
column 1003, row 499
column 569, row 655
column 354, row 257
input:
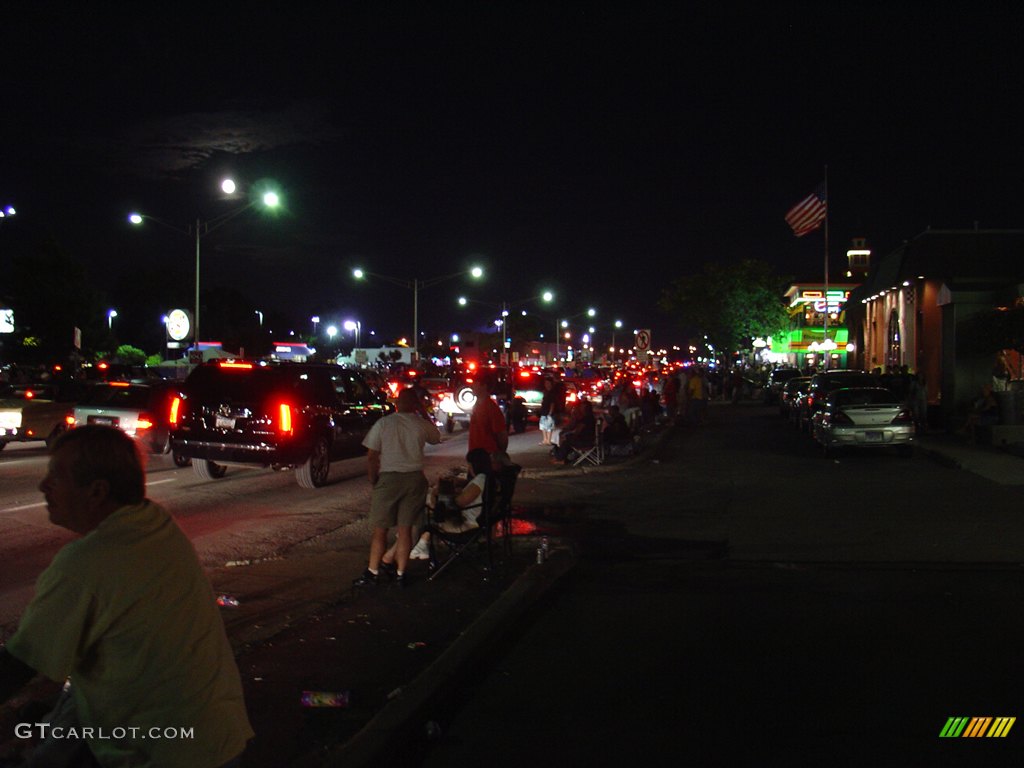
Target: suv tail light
column 284, row 418
column 175, row 413
column 70, row 420
column 145, row 421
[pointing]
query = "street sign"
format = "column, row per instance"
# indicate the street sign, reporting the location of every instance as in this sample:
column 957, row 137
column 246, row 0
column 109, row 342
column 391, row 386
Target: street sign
column 643, row 340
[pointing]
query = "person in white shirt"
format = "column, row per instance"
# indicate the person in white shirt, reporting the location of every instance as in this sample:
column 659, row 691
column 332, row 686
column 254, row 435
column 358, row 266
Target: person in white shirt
column 395, row 468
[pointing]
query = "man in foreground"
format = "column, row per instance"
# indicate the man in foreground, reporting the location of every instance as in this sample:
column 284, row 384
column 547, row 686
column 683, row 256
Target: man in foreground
column 128, row 615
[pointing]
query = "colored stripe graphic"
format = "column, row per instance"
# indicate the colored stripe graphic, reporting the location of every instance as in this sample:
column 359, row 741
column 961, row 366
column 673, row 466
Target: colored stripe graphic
column 977, row 727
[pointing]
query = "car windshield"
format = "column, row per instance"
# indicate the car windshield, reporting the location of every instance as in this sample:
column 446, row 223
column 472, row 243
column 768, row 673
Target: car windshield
column 864, row 397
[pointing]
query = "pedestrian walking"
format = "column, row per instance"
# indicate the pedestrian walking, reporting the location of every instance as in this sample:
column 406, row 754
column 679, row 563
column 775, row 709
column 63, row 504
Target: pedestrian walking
column 394, row 466
column 126, row 612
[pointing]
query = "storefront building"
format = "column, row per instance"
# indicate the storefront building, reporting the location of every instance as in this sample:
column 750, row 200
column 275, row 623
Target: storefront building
column 918, row 306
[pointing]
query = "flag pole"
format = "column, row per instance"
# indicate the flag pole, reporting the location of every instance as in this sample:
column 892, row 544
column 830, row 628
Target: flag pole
column 824, row 341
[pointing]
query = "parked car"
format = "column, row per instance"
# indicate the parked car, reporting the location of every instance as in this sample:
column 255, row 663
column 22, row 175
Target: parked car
column 286, row 416
column 790, row 393
column 828, row 381
column 140, row 410
column 777, row 379
column 863, row 417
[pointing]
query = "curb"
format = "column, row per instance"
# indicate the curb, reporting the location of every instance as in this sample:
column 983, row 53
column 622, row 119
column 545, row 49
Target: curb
column 401, row 723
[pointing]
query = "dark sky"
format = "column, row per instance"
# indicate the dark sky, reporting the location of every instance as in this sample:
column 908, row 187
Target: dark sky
column 599, row 149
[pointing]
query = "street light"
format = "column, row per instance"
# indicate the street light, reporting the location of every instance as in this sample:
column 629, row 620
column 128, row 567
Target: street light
column 315, row 319
column 591, row 312
column 201, row 229
column 356, row 326
column 111, row 314
column 417, row 285
column 7, row 211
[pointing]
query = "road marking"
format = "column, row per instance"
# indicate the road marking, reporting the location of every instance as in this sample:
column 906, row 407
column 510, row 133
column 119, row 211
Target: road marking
column 24, row 506
column 43, row 503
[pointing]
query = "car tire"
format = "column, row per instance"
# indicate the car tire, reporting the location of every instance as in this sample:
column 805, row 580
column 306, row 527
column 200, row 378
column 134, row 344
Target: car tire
column 313, row 472
column 3, row 445
column 179, row 460
column 207, row 470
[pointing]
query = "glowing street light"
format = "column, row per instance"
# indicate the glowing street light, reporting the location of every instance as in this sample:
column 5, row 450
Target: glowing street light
column 416, row 285
column 356, row 327
column 111, row 314
column 201, row 229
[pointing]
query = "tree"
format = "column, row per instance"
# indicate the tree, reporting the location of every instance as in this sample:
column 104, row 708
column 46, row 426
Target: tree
column 729, row 303
column 51, row 295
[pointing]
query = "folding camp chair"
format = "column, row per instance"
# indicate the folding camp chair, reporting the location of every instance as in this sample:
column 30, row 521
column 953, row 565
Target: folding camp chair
column 595, row 453
column 497, row 508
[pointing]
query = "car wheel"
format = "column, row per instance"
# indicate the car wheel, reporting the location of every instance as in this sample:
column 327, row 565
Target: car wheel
column 449, row 424
column 207, row 470
column 179, row 460
column 3, row 445
column 313, row 472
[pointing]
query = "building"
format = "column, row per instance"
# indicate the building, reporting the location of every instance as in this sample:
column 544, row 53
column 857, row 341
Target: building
column 920, row 305
column 818, row 334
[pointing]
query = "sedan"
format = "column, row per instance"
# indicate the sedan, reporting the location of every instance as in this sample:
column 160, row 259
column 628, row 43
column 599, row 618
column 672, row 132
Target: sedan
column 863, row 417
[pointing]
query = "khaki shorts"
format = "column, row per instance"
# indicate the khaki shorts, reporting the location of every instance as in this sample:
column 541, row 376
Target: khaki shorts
column 398, row 499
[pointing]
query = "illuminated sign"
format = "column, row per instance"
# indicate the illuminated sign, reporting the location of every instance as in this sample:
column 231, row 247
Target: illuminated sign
column 6, row 321
column 834, row 301
column 179, row 325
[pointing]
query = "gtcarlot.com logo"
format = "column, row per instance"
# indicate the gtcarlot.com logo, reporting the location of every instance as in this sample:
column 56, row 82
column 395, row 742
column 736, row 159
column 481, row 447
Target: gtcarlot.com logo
column 976, row 727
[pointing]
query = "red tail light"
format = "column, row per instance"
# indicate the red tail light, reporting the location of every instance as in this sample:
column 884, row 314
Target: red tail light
column 29, row 394
column 145, row 421
column 284, row 418
column 236, row 365
column 119, row 384
column 175, row 411
column 70, row 419
column 903, row 417
column 839, row 417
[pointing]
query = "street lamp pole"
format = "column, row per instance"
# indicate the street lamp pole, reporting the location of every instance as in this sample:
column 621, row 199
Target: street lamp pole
column 269, row 199
column 416, row 285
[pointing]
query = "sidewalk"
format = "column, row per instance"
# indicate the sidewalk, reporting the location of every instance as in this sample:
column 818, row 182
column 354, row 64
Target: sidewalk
column 995, row 464
column 405, row 650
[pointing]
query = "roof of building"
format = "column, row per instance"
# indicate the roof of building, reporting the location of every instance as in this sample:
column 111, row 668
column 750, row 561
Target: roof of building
column 983, row 258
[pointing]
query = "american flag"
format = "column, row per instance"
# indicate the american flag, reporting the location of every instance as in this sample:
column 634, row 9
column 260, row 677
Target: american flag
column 807, row 215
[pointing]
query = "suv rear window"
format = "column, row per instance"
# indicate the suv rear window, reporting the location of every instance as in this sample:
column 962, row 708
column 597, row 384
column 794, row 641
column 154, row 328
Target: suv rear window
column 243, row 384
column 117, row 397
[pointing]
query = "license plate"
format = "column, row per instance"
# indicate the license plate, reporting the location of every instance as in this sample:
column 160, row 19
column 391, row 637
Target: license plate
column 225, row 422
column 104, row 421
column 873, row 436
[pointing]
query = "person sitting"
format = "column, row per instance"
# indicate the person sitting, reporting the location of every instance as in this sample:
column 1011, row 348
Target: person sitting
column 578, row 433
column 454, row 513
column 984, row 413
column 617, row 436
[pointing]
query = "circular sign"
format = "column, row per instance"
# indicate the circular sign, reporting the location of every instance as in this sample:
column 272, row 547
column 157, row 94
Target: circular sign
column 643, row 340
column 179, row 325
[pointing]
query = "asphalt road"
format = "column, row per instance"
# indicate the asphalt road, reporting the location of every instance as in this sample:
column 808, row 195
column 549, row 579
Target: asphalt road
column 746, row 601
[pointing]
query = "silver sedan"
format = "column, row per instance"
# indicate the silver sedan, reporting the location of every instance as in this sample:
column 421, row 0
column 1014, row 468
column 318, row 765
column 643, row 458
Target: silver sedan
column 863, row 417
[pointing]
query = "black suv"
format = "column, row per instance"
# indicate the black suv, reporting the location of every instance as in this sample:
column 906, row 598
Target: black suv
column 283, row 415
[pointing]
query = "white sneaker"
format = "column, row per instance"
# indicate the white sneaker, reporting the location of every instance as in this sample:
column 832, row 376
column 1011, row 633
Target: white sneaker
column 420, row 551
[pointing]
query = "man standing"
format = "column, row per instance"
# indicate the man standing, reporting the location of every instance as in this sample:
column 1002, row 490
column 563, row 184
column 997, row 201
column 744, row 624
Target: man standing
column 487, row 427
column 395, row 468
column 128, row 615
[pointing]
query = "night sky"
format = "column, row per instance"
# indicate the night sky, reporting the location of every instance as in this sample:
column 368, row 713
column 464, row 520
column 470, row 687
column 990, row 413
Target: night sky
column 596, row 149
